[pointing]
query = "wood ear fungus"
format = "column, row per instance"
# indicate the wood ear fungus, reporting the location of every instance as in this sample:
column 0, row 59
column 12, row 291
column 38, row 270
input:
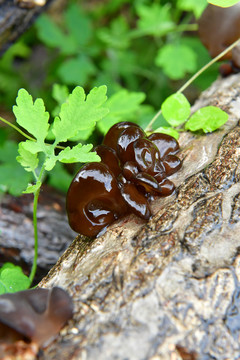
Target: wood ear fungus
column 133, row 168
column 34, row 315
column 94, row 199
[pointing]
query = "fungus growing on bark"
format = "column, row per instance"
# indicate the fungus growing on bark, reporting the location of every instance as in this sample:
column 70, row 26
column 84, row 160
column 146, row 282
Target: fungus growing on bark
column 33, row 315
column 133, row 169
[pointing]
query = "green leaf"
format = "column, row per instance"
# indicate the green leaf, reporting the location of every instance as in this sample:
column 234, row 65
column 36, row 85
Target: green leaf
column 60, row 93
column 34, row 147
column 117, row 36
column 78, row 153
column 122, row 105
column 10, row 76
column 78, row 24
column 154, row 20
column 208, row 119
column 12, row 279
column 176, row 109
column 113, row 6
column 7, row 265
column 13, row 178
column 26, row 158
column 50, row 162
column 125, row 102
column 31, row 116
column 53, row 36
column 168, row 130
column 176, row 60
column 3, row 137
column 33, row 188
column 76, row 71
column 196, row 7
column 8, row 152
column 19, row 49
column 223, row 3
column 80, row 113
column 82, row 135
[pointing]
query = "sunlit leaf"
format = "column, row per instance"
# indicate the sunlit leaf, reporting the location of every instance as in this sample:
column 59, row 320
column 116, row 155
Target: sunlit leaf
column 176, row 60
column 176, row 109
column 208, row 119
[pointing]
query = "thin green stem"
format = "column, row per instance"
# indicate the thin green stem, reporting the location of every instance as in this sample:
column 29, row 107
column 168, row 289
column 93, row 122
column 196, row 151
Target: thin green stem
column 34, row 265
column 60, row 147
column 135, row 34
column 35, row 175
column 35, row 227
column 149, row 127
column 218, row 57
column 23, row 133
column 186, row 27
column 17, row 129
column 199, row 72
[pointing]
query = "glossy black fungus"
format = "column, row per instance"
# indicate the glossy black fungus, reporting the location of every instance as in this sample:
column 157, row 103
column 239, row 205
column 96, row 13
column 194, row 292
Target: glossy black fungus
column 166, row 144
column 136, row 200
column 126, row 141
column 94, row 199
column 34, row 315
column 219, row 28
column 111, row 138
column 147, row 157
column 109, row 157
column 133, row 168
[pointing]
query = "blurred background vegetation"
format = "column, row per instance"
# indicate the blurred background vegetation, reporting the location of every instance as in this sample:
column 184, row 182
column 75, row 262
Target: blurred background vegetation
column 142, row 50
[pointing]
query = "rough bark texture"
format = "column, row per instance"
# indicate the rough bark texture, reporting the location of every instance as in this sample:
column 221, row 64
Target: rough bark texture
column 16, row 230
column 15, row 19
column 167, row 289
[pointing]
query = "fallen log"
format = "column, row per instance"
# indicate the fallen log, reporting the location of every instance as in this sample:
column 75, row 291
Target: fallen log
column 16, row 16
column 17, row 234
column 168, row 288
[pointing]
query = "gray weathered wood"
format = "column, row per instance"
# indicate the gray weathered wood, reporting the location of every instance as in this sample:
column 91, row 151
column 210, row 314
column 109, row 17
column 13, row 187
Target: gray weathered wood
column 16, row 230
column 156, row 290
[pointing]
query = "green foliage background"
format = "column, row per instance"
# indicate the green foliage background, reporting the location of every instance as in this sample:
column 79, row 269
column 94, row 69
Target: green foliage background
column 142, row 50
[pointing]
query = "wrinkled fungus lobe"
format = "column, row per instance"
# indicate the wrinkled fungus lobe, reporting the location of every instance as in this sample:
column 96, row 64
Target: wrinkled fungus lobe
column 33, row 315
column 134, row 167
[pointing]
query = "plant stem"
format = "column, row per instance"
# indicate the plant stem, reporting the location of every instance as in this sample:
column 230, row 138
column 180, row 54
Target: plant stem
column 17, row 129
column 205, row 67
column 149, row 127
column 23, row 133
column 186, row 27
column 134, row 34
column 34, row 265
column 199, row 72
column 35, row 227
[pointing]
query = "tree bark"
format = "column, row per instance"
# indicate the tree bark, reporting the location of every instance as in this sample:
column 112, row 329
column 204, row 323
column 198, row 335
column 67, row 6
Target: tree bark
column 16, row 230
column 15, row 19
column 169, row 288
